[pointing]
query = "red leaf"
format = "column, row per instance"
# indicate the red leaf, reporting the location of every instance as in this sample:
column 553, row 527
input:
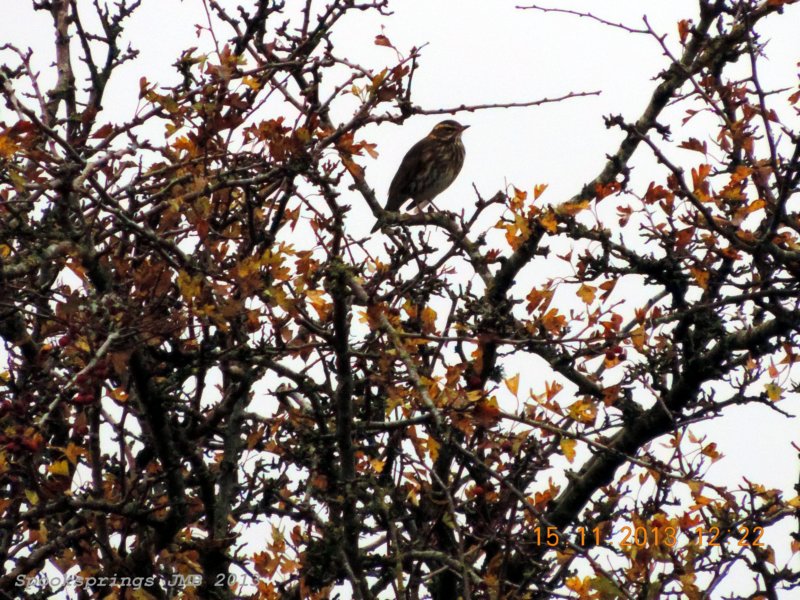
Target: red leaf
column 103, row 131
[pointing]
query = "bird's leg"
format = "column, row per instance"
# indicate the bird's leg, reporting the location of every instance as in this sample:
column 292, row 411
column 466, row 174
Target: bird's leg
column 433, row 207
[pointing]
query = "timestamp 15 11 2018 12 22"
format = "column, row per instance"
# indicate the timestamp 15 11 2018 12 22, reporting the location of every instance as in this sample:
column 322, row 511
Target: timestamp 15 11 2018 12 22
column 641, row 536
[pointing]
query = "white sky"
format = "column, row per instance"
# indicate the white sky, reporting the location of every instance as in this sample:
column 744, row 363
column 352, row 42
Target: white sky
column 483, row 52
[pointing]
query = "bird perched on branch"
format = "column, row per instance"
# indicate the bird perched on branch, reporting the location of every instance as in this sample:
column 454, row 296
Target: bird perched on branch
column 428, row 168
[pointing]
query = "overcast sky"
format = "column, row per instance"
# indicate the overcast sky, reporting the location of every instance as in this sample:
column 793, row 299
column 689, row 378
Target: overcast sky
column 479, row 52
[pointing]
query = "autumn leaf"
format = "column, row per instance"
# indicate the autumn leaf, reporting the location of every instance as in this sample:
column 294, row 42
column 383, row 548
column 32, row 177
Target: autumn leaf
column 551, row 389
column 60, row 468
column 683, row 238
column 8, row 147
column 694, row 144
column 568, row 448
column 512, row 383
column 549, row 222
column 537, row 297
column 700, row 276
column 582, row 587
column 428, row 320
column 553, row 321
column 73, row 451
column 683, row 29
column 353, row 168
column 252, row 83
column 711, row 451
column 586, row 293
column 774, row 391
column 433, row 448
column 572, row 208
column 541, row 499
column 487, row 412
column 583, row 411
column 189, row 285
column 119, row 394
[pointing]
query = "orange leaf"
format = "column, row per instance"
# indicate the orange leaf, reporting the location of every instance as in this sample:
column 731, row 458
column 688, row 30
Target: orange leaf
column 433, row 448
column 683, row 29
column 700, row 174
column 554, row 322
column 700, row 276
column 353, row 168
column 487, row 412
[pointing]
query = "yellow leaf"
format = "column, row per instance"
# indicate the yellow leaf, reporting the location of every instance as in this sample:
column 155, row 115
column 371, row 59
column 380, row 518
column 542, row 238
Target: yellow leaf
column 774, row 391
column 581, row 586
column 586, row 293
column 251, row 82
column 377, row 464
column 119, row 394
column 5, row 250
column 568, row 448
column 33, row 497
column 538, row 190
column 583, row 411
column 189, row 285
column 60, row 467
column 73, row 451
column 428, row 320
column 700, row 276
column 572, row 208
column 512, row 383
column 8, row 147
column 549, row 222
column 433, row 448
column 638, row 337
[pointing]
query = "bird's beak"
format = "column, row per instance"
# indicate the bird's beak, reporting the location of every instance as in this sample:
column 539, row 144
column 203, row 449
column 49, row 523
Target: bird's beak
column 463, row 127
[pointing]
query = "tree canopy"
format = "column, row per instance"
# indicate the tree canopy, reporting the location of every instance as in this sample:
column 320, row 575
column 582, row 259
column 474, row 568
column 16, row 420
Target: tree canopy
column 218, row 385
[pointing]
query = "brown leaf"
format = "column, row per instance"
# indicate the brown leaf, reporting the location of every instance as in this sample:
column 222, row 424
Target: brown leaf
column 103, row 131
column 694, row 144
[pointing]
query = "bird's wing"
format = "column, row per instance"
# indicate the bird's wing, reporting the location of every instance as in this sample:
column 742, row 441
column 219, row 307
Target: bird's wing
column 398, row 190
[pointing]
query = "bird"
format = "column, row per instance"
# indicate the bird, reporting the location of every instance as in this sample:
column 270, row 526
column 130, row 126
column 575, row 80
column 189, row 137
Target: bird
column 428, row 168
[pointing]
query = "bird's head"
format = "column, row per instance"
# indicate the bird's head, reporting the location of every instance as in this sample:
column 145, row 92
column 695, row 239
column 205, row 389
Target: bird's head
column 448, row 130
